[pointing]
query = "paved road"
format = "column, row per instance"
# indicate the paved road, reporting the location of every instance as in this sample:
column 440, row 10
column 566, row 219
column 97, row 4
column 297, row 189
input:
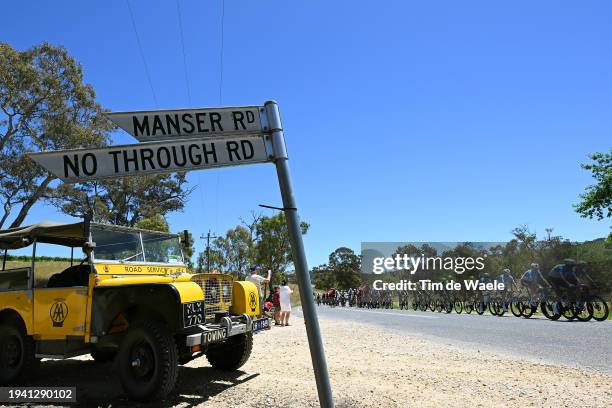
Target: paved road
column 576, row 344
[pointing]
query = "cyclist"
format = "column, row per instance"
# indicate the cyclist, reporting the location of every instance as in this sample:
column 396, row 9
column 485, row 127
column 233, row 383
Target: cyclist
column 557, row 274
column 480, row 295
column 581, row 275
column 533, row 280
column 508, row 280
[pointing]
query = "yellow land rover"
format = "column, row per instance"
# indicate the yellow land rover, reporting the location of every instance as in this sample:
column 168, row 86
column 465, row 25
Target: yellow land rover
column 126, row 297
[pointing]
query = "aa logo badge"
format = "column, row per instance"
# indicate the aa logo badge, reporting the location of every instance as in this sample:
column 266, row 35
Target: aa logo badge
column 252, row 301
column 58, row 312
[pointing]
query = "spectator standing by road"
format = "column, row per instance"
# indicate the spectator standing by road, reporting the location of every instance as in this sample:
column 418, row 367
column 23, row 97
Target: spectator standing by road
column 276, row 304
column 258, row 280
column 285, row 303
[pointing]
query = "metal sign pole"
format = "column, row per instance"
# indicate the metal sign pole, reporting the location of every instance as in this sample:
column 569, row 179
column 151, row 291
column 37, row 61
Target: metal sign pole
column 299, row 257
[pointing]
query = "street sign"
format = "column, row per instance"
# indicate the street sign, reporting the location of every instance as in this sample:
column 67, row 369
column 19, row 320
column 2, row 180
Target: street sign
column 149, row 126
column 157, row 157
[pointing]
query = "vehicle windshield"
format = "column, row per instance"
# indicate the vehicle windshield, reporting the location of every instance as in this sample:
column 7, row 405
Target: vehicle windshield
column 136, row 246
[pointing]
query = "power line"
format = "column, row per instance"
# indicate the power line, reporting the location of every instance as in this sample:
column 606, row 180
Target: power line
column 178, row 10
column 221, row 52
column 144, row 61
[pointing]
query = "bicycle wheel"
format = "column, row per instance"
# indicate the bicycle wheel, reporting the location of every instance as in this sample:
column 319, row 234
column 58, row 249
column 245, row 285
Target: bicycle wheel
column 516, row 307
column 583, row 311
column 548, row 310
column 480, row 307
column 600, row 309
column 528, row 309
column 567, row 311
column 458, row 307
column 493, row 308
column 468, row 307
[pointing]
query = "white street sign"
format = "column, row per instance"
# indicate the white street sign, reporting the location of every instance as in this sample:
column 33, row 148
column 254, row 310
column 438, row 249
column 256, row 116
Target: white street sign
column 157, row 157
column 149, row 126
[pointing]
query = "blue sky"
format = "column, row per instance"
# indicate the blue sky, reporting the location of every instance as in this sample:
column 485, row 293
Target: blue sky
column 405, row 120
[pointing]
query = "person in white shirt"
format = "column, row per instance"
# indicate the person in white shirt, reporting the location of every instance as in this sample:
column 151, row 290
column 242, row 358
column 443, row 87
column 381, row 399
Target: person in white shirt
column 258, row 280
column 285, row 303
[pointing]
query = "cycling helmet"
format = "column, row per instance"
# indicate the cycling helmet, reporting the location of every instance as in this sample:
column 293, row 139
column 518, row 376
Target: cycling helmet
column 569, row 261
column 534, row 266
column 507, row 271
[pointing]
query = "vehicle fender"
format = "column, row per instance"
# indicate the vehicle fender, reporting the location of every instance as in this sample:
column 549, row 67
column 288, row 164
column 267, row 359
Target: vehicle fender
column 188, row 291
column 245, row 299
column 18, row 310
column 161, row 301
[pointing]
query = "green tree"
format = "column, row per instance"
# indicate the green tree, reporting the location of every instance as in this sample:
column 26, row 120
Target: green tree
column 263, row 241
column 44, row 105
column 156, row 222
column 124, row 201
column 271, row 248
column 232, row 253
column 322, row 277
column 597, row 199
column 345, row 266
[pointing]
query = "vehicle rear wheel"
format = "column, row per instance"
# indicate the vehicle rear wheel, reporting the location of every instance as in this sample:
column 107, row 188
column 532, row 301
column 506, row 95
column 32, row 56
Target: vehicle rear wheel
column 458, row 307
column 231, row 354
column 16, row 354
column 148, row 361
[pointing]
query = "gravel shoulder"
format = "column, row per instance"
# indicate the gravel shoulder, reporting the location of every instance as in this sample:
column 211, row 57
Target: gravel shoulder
column 369, row 367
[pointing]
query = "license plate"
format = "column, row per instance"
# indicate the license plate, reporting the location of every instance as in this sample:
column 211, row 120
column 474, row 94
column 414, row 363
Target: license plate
column 193, row 313
column 261, row 324
column 214, row 336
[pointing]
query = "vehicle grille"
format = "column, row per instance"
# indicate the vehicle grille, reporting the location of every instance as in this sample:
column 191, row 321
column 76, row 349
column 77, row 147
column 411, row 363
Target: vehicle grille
column 217, row 290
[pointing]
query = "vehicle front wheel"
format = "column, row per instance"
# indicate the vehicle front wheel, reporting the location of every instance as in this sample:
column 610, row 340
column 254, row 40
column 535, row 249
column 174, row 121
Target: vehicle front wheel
column 148, row 361
column 231, row 354
column 16, row 354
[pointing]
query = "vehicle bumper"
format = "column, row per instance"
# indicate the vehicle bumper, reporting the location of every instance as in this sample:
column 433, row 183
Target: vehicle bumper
column 227, row 327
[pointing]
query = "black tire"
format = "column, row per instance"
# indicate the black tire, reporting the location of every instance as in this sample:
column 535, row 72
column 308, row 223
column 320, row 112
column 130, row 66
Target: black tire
column 493, row 308
column 231, row 354
column 103, row 356
column 600, row 309
column 567, row 311
column 583, row 311
column 468, row 306
column 17, row 358
column 548, row 310
column 458, row 307
column 480, row 307
column 516, row 308
column 148, row 361
column 528, row 309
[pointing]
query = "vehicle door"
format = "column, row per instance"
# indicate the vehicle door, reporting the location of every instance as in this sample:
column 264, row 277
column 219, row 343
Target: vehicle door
column 60, row 292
